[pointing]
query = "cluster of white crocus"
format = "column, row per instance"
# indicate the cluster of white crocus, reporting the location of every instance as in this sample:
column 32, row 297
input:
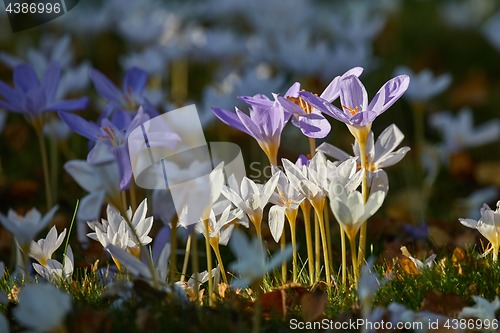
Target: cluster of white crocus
column 42, row 250
column 129, row 232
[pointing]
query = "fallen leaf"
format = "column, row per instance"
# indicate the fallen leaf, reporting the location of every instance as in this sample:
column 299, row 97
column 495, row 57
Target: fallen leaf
column 449, row 304
column 314, row 304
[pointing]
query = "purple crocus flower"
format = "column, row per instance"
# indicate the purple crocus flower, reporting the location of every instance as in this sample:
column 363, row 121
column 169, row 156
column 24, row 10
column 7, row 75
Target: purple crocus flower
column 265, row 123
column 130, row 97
column 310, row 120
column 356, row 112
column 33, row 97
column 113, row 133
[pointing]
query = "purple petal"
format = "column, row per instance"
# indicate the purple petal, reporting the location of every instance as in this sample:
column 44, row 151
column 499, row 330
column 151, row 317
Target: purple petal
column 250, row 126
column 105, row 87
column 50, row 80
column 230, row 118
column 293, row 91
column 69, row 104
column 135, row 81
column 332, row 92
column 363, row 118
column 81, row 126
column 162, row 237
column 121, row 119
column 324, row 106
column 389, row 93
column 12, row 96
column 259, row 100
column 353, row 94
column 123, row 159
column 35, row 101
column 314, row 125
column 25, row 78
column 290, row 106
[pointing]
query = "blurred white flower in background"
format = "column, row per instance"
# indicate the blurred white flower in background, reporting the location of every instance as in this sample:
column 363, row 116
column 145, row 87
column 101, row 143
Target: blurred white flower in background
column 459, row 133
column 483, row 309
column 424, row 84
column 251, row 263
column 42, row 307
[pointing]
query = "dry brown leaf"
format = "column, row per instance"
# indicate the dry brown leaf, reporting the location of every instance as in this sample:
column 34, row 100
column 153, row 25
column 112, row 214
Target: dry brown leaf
column 314, row 304
column 449, row 304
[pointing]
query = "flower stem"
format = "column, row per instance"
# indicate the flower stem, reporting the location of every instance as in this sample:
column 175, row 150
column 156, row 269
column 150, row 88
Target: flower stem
column 312, row 146
column 45, row 163
column 195, row 265
column 326, row 220
column 317, row 248
column 305, row 206
column 283, row 264
column 133, row 195
column 319, row 213
column 186, row 258
column 352, row 241
column 344, row 255
column 54, row 161
column 215, row 247
column 291, row 216
column 172, row 264
column 364, row 194
column 208, row 251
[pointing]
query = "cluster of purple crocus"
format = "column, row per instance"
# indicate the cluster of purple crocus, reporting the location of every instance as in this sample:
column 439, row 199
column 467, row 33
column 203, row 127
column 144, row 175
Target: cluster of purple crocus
column 267, row 118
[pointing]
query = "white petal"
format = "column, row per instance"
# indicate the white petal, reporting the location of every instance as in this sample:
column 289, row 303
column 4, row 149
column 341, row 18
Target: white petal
column 276, row 221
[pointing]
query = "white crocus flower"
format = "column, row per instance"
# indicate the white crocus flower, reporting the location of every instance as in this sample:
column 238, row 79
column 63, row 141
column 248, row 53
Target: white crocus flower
column 483, row 309
column 311, row 180
column 421, row 266
column 53, row 270
column 24, row 228
column 115, row 230
column 251, row 198
column 251, row 262
column 42, row 308
column 43, row 249
column 286, row 203
column 379, row 154
column 346, row 176
column 424, row 85
column 221, row 226
column 459, row 133
column 488, row 225
column 142, row 225
column 349, row 208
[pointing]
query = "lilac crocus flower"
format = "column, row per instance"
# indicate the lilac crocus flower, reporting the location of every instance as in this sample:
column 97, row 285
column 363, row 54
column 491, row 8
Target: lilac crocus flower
column 113, row 133
column 356, row 112
column 130, row 97
column 265, row 123
column 33, row 97
column 310, row 120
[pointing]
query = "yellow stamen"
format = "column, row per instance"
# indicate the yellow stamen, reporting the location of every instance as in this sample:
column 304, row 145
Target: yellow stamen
column 301, row 103
column 352, row 111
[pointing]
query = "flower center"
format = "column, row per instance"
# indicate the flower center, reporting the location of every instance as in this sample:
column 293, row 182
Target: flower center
column 110, row 134
column 285, row 202
column 351, row 110
column 301, row 103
